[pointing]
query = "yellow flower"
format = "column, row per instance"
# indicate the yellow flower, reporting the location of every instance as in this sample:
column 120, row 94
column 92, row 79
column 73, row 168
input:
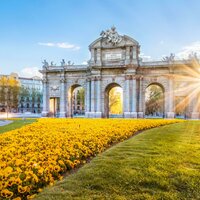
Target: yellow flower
column 35, row 178
column 57, row 168
column 61, row 162
column 22, row 189
column 8, row 170
column 40, row 190
column 17, row 198
column 6, row 193
column 18, row 169
column 36, row 154
column 41, row 170
column 18, row 162
column 18, row 181
column 31, row 196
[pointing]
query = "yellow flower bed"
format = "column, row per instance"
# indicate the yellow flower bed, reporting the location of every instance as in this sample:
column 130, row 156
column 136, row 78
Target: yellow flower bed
column 38, row 154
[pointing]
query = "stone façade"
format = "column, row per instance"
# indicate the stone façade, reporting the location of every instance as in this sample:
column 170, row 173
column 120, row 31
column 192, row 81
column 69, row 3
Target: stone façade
column 115, row 62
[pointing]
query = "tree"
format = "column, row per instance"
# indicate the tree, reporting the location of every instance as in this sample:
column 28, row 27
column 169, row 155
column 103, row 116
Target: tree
column 81, row 96
column 115, row 101
column 154, row 100
column 9, row 91
column 79, row 100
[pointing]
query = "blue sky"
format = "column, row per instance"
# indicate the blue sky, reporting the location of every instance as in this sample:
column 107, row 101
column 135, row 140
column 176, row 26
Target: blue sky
column 32, row 30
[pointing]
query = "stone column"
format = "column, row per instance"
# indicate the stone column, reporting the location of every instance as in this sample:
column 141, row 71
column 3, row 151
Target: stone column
column 141, row 111
column 87, row 101
column 133, row 113
column 195, row 105
column 45, row 109
column 63, row 98
column 127, row 98
column 92, row 113
column 170, row 99
column 98, row 109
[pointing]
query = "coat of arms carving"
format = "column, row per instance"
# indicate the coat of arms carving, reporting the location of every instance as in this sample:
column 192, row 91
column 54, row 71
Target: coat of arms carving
column 111, row 36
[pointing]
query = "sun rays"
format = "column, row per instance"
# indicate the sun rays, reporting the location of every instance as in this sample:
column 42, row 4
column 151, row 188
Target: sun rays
column 185, row 92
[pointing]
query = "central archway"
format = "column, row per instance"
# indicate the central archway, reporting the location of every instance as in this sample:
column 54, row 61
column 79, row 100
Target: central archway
column 113, row 101
column 154, row 101
column 76, row 101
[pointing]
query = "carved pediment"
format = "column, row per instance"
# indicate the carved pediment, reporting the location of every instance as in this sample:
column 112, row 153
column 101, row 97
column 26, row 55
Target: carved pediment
column 111, row 39
column 111, row 36
column 113, row 49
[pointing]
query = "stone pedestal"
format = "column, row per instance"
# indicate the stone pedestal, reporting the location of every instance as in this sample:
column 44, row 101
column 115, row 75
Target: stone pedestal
column 195, row 115
column 140, row 115
column 62, row 114
column 90, row 114
column 98, row 114
column 133, row 114
column 93, row 114
column 86, row 114
column 44, row 113
column 170, row 115
column 127, row 115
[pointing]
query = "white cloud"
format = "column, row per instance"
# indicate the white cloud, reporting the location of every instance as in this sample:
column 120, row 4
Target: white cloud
column 49, row 44
column 29, row 72
column 189, row 49
column 63, row 45
column 84, row 63
column 145, row 58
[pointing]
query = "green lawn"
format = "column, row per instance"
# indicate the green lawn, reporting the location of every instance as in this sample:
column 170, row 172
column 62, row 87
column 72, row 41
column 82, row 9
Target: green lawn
column 16, row 124
column 161, row 163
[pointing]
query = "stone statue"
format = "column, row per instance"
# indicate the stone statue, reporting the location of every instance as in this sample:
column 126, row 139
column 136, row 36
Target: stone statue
column 170, row 58
column 52, row 64
column 62, row 62
column 193, row 56
column 70, row 63
column 45, row 63
column 111, row 36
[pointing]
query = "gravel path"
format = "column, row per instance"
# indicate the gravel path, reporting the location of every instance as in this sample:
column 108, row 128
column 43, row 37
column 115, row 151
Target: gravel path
column 5, row 122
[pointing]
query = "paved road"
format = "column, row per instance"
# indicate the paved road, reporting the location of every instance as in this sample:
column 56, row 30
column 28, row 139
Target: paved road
column 5, row 122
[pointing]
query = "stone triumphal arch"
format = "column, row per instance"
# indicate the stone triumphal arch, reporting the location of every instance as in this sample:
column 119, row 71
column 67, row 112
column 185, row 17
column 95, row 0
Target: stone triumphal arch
column 115, row 62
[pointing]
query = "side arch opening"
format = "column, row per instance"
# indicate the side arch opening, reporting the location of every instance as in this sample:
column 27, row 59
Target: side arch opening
column 154, row 101
column 113, row 101
column 76, row 101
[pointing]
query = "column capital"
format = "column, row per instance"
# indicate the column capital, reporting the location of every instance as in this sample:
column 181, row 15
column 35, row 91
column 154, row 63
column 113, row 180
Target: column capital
column 62, row 80
column 130, row 77
column 98, row 78
column 127, row 77
column 141, row 77
column 171, row 76
column 45, row 80
column 92, row 79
